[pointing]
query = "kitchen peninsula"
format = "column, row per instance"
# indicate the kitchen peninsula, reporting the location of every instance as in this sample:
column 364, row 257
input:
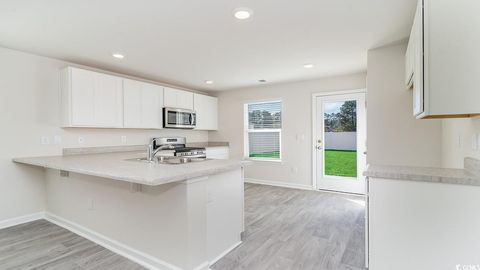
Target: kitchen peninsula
column 164, row 216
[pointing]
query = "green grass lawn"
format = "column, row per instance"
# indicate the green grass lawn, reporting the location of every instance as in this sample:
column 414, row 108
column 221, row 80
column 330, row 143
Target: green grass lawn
column 270, row 155
column 341, row 163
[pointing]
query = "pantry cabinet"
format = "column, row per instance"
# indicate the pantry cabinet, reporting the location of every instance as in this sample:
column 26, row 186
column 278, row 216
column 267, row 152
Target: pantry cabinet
column 440, row 65
column 175, row 98
column 91, row 99
column 142, row 105
column 206, row 108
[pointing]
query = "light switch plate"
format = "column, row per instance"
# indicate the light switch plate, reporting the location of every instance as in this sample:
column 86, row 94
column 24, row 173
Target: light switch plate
column 45, row 140
column 57, row 139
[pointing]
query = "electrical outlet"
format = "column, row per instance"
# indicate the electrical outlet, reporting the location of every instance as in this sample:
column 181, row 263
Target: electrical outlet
column 294, row 169
column 474, row 142
column 57, row 139
column 45, row 140
column 123, row 139
column 478, row 141
column 81, row 140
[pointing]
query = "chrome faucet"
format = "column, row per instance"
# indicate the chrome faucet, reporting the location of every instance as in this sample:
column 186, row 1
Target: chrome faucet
column 151, row 152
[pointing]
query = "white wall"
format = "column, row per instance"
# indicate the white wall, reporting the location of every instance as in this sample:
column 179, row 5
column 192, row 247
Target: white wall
column 30, row 109
column 341, row 140
column 295, row 168
column 458, row 135
column 394, row 136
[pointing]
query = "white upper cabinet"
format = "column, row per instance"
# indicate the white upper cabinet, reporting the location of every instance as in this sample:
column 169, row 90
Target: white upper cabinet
column 206, row 108
column 442, row 50
column 175, row 98
column 142, row 105
column 91, row 99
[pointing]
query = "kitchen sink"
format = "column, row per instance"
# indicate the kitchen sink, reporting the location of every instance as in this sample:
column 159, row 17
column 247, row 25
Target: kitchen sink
column 170, row 160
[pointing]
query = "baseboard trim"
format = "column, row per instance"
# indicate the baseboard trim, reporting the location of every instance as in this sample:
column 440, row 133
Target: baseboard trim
column 216, row 259
column 203, row 266
column 132, row 254
column 277, row 184
column 20, row 220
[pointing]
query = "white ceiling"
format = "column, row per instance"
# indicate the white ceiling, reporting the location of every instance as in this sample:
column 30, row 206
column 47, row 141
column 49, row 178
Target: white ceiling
column 187, row 42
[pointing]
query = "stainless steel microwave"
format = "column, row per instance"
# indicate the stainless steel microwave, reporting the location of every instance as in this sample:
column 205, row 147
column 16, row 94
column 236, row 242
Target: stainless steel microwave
column 179, row 118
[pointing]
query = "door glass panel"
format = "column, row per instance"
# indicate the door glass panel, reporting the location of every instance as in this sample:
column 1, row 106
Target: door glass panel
column 340, row 141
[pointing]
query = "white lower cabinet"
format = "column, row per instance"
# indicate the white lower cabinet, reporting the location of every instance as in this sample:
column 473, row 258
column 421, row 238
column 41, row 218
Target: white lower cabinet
column 143, row 104
column 91, row 99
column 421, row 225
column 220, row 152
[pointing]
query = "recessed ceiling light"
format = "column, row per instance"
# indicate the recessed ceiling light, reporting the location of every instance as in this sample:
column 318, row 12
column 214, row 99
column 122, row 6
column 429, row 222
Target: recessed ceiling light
column 209, row 82
column 118, row 55
column 243, row 13
column 308, row 66
column 262, row 81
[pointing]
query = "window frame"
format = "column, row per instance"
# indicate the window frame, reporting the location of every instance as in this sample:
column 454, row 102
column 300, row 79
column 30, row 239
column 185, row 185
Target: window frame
column 247, row 130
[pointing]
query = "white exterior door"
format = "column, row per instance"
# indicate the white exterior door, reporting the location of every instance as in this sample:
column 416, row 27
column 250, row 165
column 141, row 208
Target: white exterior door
column 340, row 142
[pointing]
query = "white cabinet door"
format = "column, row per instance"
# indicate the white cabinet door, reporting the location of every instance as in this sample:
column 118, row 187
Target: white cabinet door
column 82, row 97
column 142, row 104
column 95, row 99
column 409, row 61
column 218, row 152
column 175, row 98
column 421, row 225
column 206, row 108
column 418, row 83
column 184, row 100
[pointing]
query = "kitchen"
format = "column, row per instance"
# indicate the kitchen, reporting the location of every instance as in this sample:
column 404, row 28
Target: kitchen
column 123, row 151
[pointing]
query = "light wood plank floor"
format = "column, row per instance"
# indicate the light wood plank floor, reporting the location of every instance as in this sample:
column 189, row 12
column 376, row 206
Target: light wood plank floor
column 286, row 229
column 43, row 245
column 290, row 229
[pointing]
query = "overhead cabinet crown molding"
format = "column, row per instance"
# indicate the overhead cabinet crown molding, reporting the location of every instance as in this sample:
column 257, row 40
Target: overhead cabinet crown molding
column 97, row 100
column 440, row 65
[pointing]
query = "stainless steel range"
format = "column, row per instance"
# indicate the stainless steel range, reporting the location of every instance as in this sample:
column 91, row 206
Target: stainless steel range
column 174, row 147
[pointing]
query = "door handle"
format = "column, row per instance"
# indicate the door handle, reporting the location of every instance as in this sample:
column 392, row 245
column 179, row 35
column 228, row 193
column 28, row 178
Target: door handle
column 319, row 147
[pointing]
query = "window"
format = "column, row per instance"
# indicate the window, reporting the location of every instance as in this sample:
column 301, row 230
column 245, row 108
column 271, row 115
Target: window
column 263, row 130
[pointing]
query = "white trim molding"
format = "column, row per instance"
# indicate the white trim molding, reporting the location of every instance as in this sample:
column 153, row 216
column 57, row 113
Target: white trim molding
column 123, row 250
column 216, row 259
column 22, row 219
column 130, row 253
column 314, row 161
column 277, row 184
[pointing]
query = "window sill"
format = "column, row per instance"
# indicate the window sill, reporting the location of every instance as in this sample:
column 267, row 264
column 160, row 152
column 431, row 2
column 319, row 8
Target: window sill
column 264, row 160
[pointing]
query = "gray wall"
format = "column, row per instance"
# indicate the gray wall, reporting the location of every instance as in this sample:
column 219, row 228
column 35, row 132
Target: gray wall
column 457, row 144
column 296, row 166
column 29, row 99
column 394, row 136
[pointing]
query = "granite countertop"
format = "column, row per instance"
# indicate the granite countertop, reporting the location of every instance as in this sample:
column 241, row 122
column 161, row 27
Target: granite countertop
column 468, row 176
column 119, row 166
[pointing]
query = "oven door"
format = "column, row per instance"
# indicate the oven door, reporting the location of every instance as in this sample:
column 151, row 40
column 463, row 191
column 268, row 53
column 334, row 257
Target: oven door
column 179, row 118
